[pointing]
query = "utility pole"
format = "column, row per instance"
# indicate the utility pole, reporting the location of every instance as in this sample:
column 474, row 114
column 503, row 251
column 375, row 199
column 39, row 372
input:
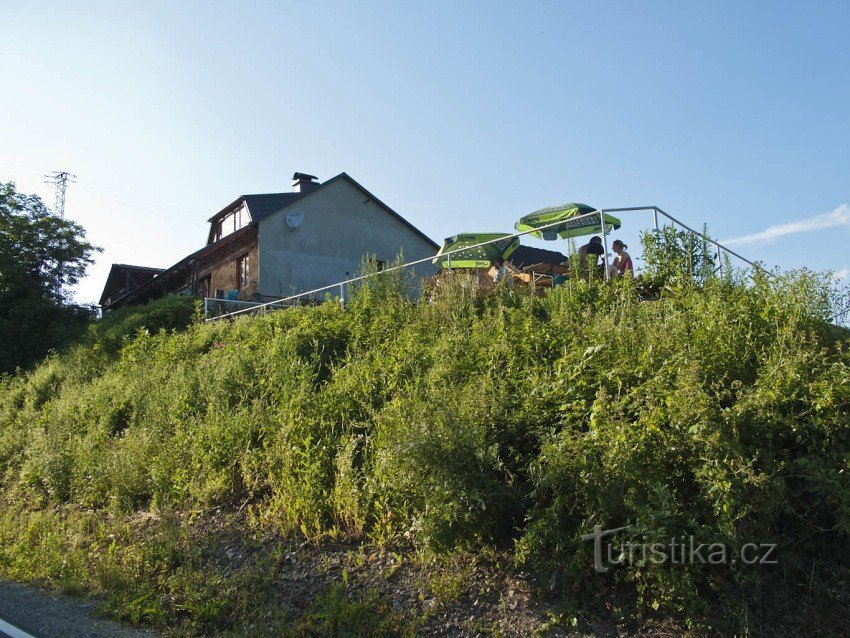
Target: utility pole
column 60, row 180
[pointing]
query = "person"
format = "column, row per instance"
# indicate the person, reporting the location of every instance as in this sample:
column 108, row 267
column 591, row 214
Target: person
column 501, row 270
column 592, row 248
column 622, row 262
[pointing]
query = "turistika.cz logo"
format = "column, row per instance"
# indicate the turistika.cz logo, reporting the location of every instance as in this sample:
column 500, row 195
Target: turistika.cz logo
column 682, row 550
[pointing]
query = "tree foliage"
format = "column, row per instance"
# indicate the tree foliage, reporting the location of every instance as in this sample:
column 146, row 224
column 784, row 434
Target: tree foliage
column 41, row 255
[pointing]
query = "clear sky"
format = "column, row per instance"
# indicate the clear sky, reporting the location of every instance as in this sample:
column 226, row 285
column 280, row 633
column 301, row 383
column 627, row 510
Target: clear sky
column 462, row 116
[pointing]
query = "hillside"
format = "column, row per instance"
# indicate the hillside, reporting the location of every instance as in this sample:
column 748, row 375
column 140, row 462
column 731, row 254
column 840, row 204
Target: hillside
column 397, row 468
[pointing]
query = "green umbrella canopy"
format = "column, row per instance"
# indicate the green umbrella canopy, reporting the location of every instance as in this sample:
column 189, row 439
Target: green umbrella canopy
column 568, row 227
column 480, row 257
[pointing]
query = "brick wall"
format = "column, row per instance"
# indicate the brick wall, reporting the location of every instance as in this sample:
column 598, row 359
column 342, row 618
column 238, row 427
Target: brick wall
column 222, row 267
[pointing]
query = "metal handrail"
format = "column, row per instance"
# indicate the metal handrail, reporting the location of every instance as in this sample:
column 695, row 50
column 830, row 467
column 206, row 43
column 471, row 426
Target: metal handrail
column 657, row 209
column 342, row 284
column 247, row 306
column 600, row 212
column 710, row 240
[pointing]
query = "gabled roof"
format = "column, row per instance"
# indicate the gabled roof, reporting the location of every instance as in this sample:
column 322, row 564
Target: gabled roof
column 261, row 206
column 138, row 268
column 122, row 274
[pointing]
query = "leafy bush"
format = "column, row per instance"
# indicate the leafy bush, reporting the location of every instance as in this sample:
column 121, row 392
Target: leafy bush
column 173, row 312
column 470, row 420
column 673, row 256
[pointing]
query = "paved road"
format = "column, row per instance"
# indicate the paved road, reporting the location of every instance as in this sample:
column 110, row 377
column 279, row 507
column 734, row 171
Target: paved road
column 44, row 615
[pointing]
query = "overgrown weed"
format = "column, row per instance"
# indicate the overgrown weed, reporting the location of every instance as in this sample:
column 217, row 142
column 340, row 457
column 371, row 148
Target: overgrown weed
column 469, row 421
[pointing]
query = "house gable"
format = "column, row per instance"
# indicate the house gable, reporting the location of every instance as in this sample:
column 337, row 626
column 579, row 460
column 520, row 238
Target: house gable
column 387, row 209
column 340, row 222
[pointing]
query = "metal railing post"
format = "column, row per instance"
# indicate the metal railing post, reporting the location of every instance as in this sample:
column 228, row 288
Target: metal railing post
column 655, row 218
column 604, row 245
column 342, row 295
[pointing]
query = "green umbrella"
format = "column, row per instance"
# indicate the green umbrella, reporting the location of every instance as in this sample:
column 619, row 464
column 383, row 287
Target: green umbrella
column 480, row 257
column 569, row 227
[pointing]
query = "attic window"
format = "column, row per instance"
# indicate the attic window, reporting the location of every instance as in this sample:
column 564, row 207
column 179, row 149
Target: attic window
column 231, row 222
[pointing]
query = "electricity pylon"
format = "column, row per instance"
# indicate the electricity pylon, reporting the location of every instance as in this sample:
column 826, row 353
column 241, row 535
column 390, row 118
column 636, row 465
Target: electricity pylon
column 60, row 180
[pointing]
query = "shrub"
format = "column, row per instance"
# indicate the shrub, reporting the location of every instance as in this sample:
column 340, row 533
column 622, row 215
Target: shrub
column 467, row 420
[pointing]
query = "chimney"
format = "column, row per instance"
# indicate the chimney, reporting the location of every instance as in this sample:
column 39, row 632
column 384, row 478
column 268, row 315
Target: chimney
column 303, row 183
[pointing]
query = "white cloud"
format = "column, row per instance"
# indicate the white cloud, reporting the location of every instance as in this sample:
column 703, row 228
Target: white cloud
column 839, row 217
column 842, row 274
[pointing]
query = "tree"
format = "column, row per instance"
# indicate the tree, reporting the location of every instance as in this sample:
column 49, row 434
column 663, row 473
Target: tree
column 41, row 255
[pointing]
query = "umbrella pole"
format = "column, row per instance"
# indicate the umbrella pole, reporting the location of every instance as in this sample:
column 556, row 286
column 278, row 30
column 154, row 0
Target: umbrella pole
column 604, row 245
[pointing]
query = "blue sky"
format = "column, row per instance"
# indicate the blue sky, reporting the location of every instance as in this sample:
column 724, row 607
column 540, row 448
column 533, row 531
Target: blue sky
column 461, row 116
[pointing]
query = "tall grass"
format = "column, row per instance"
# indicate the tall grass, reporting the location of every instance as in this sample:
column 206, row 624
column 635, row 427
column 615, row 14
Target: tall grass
column 467, row 420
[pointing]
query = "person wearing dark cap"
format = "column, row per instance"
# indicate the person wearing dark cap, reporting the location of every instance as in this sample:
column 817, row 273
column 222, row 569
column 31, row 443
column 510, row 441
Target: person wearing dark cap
column 590, row 253
column 622, row 262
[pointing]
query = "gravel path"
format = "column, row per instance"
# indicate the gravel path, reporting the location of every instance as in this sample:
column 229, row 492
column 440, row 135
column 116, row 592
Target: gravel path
column 47, row 615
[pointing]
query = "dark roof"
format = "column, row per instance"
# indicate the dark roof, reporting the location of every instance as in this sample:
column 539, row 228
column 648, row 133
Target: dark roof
column 259, row 206
column 185, row 262
column 527, row 255
column 120, row 275
column 139, row 269
column 262, row 205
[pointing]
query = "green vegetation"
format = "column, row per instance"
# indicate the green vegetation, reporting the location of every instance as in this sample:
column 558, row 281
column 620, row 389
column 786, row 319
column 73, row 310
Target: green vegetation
column 472, row 423
column 40, row 256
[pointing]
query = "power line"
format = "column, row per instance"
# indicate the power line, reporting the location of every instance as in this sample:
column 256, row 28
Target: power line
column 141, row 202
column 117, row 195
column 60, row 181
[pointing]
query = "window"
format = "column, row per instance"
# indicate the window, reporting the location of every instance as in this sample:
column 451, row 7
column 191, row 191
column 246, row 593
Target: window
column 231, row 222
column 243, row 272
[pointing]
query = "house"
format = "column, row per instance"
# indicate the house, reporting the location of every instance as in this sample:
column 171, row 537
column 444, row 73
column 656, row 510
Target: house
column 263, row 247
column 124, row 278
